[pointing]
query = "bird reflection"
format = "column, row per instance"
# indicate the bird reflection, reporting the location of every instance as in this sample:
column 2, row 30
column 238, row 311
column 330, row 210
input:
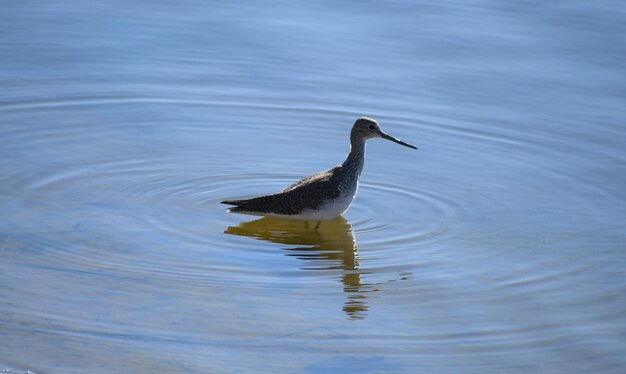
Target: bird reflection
column 331, row 246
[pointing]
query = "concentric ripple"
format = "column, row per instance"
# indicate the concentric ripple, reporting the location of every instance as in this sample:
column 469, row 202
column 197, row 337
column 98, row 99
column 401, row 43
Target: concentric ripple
column 431, row 240
column 496, row 247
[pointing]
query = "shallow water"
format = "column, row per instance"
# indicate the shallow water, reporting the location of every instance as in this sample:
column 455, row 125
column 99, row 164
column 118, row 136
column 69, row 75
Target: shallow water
column 498, row 246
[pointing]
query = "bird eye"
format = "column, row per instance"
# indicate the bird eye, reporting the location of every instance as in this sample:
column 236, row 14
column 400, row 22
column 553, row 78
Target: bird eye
column 372, row 127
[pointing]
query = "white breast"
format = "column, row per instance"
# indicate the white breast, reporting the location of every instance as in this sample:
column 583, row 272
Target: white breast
column 332, row 208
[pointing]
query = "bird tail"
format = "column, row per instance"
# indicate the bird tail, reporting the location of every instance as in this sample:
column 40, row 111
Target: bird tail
column 237, row 209
column 237, row 205
column 232, row 202
column 255, row 205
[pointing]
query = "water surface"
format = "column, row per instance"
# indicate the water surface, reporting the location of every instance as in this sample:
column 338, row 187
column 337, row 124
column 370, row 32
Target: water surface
column 498, row 246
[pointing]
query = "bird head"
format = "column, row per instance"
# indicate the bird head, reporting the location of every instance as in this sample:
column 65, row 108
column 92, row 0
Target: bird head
column 366, row 128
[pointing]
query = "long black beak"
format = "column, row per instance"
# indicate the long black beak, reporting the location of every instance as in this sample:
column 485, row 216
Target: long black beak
column 389, row 137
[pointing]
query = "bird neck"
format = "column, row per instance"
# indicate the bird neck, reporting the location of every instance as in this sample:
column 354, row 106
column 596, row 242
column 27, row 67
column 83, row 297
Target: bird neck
column 356, row 157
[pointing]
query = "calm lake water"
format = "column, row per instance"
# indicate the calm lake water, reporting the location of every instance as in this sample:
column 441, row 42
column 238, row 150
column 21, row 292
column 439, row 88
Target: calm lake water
column 498, row 246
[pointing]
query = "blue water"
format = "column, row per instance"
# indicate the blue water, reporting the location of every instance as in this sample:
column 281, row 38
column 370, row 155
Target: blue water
column 498, row 246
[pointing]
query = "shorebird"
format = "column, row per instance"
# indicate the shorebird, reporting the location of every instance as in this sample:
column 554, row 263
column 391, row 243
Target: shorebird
column 321, row 196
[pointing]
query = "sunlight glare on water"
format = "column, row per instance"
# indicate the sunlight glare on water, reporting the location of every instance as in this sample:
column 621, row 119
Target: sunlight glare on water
column 497, row 246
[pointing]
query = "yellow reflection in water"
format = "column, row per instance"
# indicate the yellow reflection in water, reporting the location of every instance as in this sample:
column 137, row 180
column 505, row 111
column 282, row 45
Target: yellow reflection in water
column 331, row 246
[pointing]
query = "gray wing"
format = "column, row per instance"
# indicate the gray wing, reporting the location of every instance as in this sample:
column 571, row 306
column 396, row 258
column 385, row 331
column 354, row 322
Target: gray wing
column 307, row 193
